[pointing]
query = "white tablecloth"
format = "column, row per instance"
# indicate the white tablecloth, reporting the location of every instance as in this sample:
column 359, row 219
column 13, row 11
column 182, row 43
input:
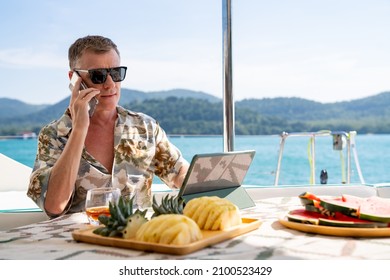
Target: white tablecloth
column 53, row 240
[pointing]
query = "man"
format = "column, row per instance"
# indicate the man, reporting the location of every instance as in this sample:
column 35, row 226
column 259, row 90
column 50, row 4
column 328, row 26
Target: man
column 78, row 151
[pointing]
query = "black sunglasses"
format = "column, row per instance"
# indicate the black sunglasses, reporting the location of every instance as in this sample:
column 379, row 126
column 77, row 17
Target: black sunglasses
column 99, row 76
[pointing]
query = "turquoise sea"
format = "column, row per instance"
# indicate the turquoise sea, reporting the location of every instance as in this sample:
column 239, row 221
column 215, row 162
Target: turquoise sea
column 372, row 151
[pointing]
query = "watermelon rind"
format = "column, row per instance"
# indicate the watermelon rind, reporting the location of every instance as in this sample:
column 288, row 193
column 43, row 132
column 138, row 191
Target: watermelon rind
column 305, row 201
column 374, row 218
column 302, row 220
column 335, row 223
column 307, row 198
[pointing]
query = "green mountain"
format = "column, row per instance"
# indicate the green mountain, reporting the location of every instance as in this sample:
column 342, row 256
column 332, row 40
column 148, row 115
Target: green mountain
column 11, row 107
column 183, row 111
column 18, row 116
column 306, row 110
column 128, row 95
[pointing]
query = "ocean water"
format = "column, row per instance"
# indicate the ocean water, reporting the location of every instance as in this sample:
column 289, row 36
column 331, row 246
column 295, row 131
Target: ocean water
column 372, row 151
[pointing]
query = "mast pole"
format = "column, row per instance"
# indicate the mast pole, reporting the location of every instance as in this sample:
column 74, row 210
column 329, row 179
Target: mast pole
column 228, row 101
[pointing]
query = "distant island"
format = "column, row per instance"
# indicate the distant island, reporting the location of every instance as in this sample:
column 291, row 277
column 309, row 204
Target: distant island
column 187, row 112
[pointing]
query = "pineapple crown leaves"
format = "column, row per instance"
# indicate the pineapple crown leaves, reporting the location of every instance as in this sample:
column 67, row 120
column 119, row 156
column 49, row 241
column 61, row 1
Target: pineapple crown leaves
column 169, row 205
column 120, row 212
column 140, row 213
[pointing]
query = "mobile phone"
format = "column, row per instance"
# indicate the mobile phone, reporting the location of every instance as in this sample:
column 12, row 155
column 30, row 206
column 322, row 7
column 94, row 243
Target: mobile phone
column 93, row 102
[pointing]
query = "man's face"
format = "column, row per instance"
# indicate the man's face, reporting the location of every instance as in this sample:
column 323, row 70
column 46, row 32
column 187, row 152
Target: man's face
column 109, row 90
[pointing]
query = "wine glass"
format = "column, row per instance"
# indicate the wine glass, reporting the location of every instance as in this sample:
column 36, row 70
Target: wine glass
column 97, row 202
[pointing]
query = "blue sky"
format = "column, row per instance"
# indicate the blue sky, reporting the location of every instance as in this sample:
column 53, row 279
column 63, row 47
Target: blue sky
column 322, row 50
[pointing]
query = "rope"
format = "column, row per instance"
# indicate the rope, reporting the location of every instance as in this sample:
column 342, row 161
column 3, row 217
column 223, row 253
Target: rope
column 309, row 148
column 355, row 155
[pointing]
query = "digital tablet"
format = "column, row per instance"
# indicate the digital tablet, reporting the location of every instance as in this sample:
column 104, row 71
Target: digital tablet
column 216, row 171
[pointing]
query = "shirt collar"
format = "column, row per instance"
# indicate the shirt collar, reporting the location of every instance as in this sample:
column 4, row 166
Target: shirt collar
column 64, row 124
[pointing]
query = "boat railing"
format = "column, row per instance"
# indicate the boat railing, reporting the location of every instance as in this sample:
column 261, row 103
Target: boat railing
column 339, row 138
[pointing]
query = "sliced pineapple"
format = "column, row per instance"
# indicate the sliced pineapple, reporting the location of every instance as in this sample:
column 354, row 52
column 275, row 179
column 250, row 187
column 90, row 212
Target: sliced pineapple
column 213, row 213
column 171, row 229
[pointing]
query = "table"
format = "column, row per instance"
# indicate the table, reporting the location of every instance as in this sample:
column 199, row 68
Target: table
column 272, row 241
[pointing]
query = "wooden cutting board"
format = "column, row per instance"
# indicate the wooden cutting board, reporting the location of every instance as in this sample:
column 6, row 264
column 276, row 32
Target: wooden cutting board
column 209, row 238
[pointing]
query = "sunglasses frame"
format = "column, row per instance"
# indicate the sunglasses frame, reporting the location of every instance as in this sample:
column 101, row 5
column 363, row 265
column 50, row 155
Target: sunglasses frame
column 106, row 71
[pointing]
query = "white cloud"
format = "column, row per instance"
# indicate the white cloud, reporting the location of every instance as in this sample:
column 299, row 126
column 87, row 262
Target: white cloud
column 326, row 78
column 29, row 58
column 153, row 75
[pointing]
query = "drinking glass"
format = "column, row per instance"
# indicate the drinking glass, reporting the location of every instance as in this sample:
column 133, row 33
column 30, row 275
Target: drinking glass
column 97, row 202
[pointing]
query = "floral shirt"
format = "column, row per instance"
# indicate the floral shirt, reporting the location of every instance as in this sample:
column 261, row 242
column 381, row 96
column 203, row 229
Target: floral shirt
column 141, row 149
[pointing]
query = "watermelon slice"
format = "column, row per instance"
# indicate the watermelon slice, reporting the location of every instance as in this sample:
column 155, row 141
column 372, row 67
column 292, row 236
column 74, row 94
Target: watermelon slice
column 312, row 203
column 315, row 218
column 375, row 209
column 348, row 206
column 319, row 209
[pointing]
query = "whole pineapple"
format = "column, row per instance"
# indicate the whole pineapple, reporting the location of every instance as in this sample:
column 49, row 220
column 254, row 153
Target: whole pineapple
column 123, row 222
